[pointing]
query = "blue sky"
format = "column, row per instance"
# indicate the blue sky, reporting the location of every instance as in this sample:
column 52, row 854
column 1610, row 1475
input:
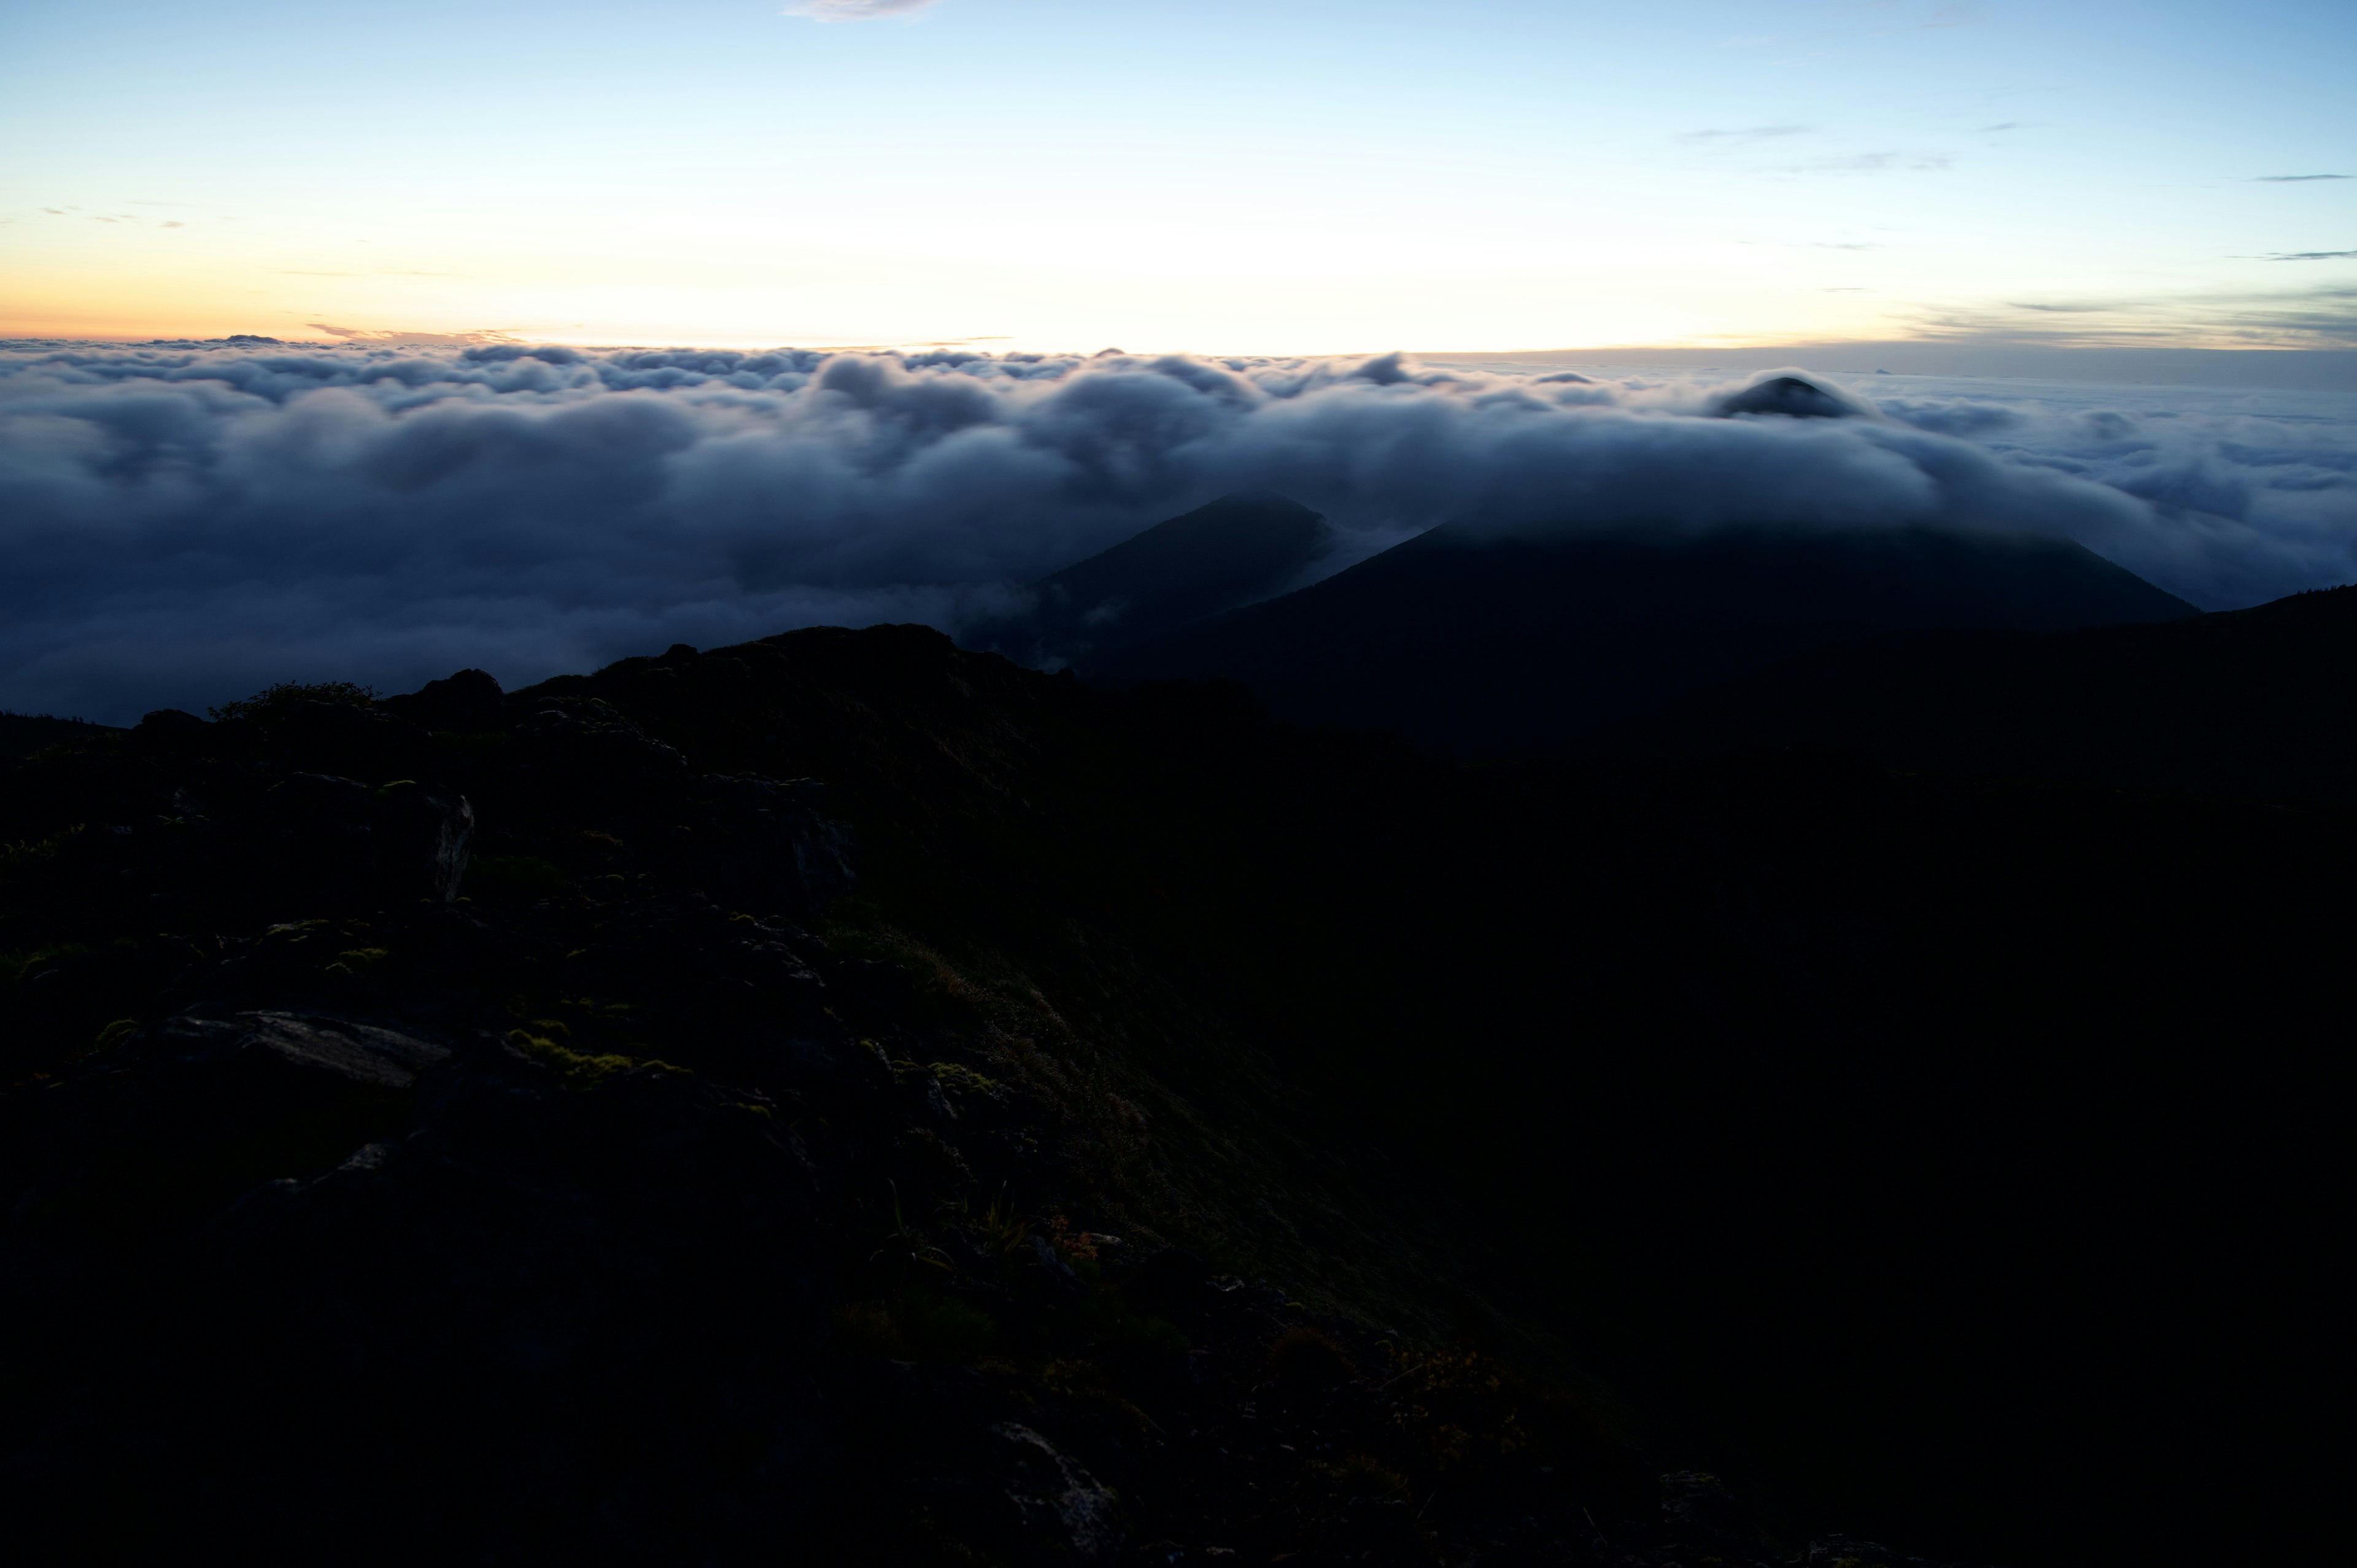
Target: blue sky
column 1292, row 175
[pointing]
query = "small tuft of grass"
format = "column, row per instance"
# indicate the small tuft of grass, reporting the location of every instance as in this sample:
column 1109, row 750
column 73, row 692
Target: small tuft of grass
column 15, row 966
column 915, row 1325
column 1362, row 1475
column 1305, row 1358
column 964, row 1080
column 1000, row 1230
column 107, row 1038
column 516, row 877
column 114, row 1034
column 578, row 1069
column 1117, row 1325
column 34, row 850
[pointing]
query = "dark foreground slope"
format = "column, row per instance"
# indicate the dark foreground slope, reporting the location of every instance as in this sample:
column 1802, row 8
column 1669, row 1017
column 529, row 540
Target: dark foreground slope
column 23, row 732
column 2249, row 702
column 1482, row 646
column 1934, row 1160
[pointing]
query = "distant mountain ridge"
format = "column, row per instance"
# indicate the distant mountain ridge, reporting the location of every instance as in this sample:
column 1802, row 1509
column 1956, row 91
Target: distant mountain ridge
column 22, row 733
column 1234, row 551
column 1475, row 644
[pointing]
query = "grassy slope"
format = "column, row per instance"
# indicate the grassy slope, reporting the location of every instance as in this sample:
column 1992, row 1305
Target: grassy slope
column 1944, row 1160
column 1839, row 1120
column 1073, row 868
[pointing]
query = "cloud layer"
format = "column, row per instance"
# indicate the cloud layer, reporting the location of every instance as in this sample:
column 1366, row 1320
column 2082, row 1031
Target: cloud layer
column 182, row 525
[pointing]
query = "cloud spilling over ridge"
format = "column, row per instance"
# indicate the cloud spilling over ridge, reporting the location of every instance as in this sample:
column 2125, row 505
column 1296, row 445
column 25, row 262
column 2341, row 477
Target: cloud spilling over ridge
column 183, row 525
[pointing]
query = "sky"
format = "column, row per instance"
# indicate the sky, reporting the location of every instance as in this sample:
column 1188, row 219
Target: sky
column 933, row 297
column 1273, row 177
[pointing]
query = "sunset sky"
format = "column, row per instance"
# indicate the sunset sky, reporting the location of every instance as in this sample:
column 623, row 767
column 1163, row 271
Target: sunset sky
column 1278, row 177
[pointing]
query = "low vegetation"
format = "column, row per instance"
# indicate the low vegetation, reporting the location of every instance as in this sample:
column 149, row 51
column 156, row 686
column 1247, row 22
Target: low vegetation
column 1262, row 1140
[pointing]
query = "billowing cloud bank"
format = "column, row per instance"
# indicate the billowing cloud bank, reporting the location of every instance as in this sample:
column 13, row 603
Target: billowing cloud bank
column 183, row 525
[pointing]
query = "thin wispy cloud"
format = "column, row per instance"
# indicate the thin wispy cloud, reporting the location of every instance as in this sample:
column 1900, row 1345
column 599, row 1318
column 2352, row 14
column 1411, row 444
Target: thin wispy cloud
column 2311, row 317
column 1875, row 162
column 379, row 337
column 2310, row 256
column 2297, row 178
column 853, row 10
column 1746, row 133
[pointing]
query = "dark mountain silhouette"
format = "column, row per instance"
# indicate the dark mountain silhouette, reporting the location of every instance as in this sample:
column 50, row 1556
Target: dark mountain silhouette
column 847, row 1090
column 23, row 732
column 1787, row 395
column 1477, row 645
column 1235, row 550
column 2245, row 702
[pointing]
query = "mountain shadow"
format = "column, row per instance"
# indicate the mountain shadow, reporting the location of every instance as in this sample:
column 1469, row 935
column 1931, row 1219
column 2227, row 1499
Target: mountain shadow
column 2241, row 703
column 1235, row 550
column 1480, row 646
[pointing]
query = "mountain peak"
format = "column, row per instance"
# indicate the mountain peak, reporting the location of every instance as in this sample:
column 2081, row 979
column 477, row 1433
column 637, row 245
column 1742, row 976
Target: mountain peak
column 1481, row 644
column 1237, row 550
column 1787, row 395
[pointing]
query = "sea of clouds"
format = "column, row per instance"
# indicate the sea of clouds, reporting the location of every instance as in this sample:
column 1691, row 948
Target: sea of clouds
column 181, row 524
